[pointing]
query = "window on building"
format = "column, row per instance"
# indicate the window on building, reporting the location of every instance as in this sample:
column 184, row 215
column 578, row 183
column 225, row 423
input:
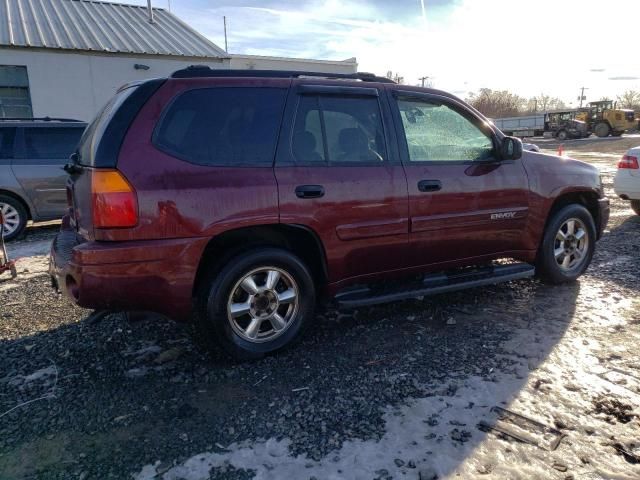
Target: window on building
column 15, row 100
column 223, row 126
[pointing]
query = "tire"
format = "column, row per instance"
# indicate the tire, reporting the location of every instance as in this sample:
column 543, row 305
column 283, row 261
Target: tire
column 562, row 135
column 616, row 134
column 551, row 264
column 15, row 217
column 635, row 205
column 602, row 130
column 237, row 334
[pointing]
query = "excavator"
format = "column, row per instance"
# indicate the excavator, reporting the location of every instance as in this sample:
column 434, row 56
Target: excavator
column 604, row 119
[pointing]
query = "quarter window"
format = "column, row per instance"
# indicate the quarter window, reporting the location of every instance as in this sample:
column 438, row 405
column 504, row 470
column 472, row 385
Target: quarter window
column 338, row 129
column 223, row 126
column 436, row 132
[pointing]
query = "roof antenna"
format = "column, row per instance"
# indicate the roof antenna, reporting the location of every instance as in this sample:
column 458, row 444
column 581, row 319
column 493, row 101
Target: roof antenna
column 150, row 10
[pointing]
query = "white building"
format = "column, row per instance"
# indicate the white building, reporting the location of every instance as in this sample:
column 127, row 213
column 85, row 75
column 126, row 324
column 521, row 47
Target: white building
column 66, row 58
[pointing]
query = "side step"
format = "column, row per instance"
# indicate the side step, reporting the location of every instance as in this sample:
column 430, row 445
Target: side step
column 433, row 284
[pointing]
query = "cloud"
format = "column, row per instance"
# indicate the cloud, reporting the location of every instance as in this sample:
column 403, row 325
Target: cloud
column 464, row 44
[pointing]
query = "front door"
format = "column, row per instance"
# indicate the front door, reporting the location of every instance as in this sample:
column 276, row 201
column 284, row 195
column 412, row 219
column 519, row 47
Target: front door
column 337, row 176
column 41, row 153
column 464, row 202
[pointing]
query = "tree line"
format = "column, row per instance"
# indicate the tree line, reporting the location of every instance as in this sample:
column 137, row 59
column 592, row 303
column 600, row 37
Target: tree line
column 502, row 103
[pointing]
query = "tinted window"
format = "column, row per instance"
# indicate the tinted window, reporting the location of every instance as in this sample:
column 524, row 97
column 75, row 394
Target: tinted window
column 338, row 130
column 51, row 143
column 6, row 142
column 436, row 132
column 223, row 126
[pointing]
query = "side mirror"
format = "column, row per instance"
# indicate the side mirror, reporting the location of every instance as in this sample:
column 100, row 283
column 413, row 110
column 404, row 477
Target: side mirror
column 511, row 148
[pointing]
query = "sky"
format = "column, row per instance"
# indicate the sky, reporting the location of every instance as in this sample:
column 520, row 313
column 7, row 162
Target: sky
column 529, row 47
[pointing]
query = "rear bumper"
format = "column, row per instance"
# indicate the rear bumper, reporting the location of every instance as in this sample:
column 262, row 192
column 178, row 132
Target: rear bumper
column 603, row 217
column 627, row 185
column 151, row 275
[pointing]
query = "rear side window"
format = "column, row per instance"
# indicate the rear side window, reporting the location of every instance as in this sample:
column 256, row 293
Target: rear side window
column 51, row 143
column 223, row 126
column 336, row 129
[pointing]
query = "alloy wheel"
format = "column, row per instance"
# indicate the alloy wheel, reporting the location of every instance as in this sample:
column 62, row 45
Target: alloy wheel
column 11, row 219
column 263, row 304
column 571, row 245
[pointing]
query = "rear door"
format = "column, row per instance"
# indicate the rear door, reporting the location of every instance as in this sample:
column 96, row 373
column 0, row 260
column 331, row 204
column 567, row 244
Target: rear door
column 42, row 151
column 464, row 202
column 337, row 175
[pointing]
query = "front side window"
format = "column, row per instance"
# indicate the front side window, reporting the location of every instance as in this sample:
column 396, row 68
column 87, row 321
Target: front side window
column 15, row 100
column 223, row 126
column 436, row 132
column 51, row 143
column 337, row 129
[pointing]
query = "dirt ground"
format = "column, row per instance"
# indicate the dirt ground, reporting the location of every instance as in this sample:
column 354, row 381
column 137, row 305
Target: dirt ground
column 407, row 390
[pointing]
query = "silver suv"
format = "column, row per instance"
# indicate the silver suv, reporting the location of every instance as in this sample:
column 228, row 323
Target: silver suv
column 32, row 181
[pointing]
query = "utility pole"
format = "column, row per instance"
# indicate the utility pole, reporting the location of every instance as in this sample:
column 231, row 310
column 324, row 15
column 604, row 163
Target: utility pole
column 422, row 79
column 224, row 19
column 582, row 97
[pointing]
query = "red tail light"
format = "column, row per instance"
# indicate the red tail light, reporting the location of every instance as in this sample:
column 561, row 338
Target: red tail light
column 115, row 204
column 628, row 161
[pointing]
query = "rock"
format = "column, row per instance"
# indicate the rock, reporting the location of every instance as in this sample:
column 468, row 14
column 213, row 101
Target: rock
column 561, row 467
column 398, row 462
column 169, row 355
column 427, row 473
column 411, row 464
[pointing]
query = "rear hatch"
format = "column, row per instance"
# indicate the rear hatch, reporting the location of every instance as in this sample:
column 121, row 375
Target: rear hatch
column 94, row 164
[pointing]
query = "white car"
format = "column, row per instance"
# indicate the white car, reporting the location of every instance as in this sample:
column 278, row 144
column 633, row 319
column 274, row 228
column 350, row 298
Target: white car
column 627, row 181
column 532, row 147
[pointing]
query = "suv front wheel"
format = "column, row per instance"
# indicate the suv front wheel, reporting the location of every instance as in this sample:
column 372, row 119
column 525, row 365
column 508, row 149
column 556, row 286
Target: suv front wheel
column 567, row 245
column 257, row 303
column 15, row 217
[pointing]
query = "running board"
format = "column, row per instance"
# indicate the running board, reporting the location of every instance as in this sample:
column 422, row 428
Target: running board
column 433, row 284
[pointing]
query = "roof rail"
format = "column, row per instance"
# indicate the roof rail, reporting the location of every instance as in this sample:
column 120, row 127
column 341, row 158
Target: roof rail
column 195, row 71
column 42, row 119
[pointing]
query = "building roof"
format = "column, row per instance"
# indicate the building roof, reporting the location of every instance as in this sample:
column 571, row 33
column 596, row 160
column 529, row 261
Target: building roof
column 91, row 25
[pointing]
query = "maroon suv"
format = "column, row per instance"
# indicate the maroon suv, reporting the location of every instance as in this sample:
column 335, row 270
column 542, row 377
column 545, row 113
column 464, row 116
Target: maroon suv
column 240, row 198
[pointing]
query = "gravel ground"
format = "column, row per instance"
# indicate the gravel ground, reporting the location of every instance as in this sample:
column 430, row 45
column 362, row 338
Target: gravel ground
column 394, row 391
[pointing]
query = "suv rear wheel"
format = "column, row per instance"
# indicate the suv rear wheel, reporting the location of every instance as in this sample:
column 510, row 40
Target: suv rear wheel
column 15, row 217
column 258, row 303
column 567, row 245
column 635, row 205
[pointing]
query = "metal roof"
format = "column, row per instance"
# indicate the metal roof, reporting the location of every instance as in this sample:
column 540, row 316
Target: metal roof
column 91, row 25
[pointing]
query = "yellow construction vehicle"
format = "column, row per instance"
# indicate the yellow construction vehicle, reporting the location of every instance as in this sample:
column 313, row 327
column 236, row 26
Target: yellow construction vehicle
column 604, row 119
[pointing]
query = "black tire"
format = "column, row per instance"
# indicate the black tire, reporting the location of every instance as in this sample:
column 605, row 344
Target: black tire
column 214, row 323
column 616, row 134
column 602, row 129
column 17, row 209
column 635, row 205
column 547, row 267
column 562, row 135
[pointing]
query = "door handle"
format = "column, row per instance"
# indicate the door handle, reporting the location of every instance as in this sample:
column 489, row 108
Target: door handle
column 309, row 191
column 429, row 185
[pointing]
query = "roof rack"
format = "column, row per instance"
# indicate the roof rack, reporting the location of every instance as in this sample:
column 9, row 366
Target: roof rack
column 195, row 71
column 40, row 119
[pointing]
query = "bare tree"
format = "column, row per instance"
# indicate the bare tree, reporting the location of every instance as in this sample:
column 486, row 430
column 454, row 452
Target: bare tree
column 396, row 77
column 629, row 99
column 497, row 103
column 543, row 103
